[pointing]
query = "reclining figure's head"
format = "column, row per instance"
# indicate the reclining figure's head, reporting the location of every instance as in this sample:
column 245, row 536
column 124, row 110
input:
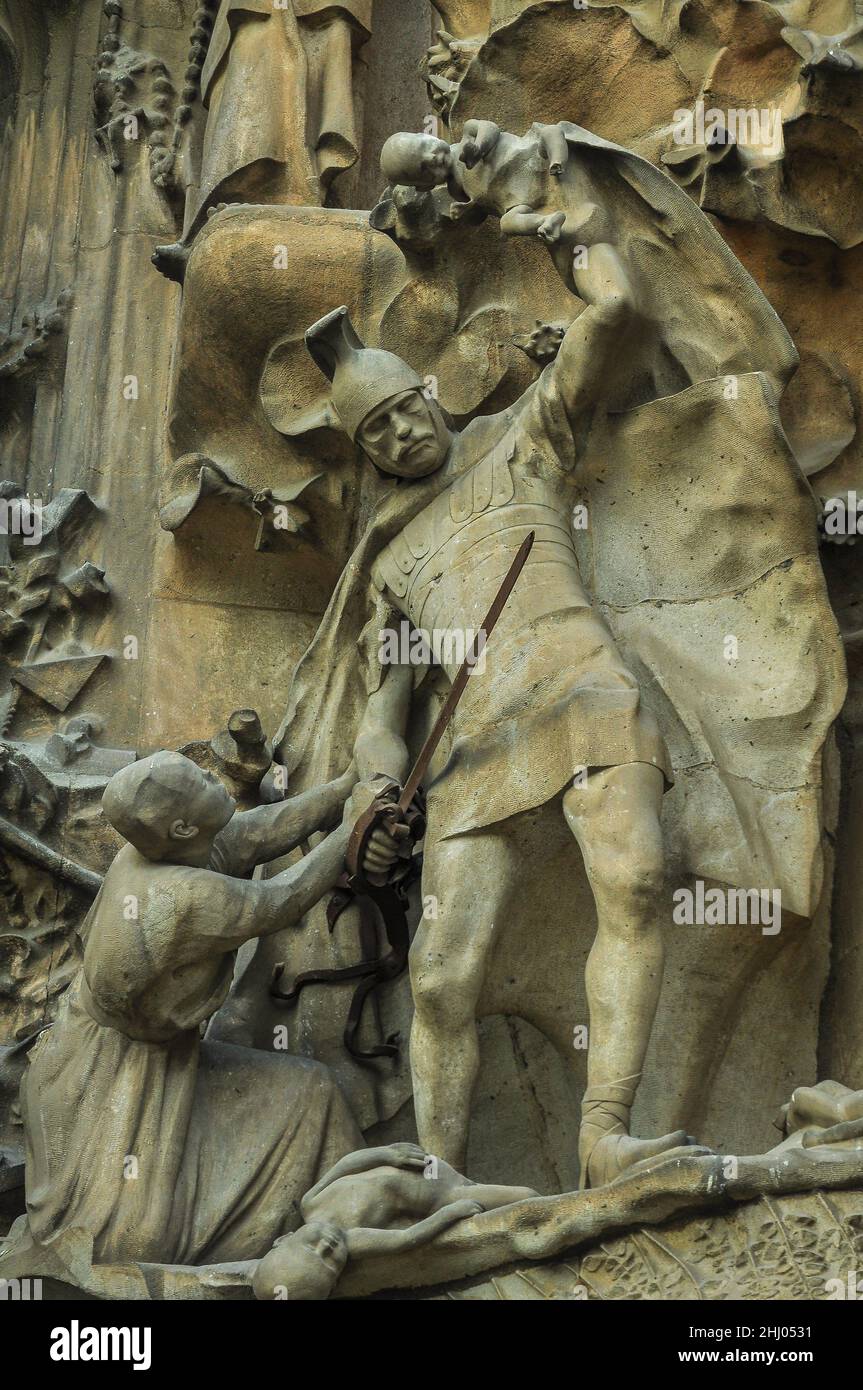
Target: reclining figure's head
column 302, row 1266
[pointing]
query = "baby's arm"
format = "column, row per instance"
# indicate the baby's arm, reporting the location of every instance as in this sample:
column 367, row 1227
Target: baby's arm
column 362, row 1241
column 489, row 1196
column 478, row 140
column 409, row 1156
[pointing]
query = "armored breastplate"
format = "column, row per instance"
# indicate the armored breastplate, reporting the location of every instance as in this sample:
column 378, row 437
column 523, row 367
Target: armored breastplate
column 445, row 567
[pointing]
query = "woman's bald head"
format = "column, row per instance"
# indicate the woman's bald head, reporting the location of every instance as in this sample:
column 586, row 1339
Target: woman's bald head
column 163, row 801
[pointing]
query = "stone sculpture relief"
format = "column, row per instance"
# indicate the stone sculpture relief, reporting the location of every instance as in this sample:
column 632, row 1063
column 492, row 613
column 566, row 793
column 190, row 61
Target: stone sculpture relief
column 133, row 89
column 427, row 556
column 277, row 84
column 127, row 1040
column 427, row 859
column 46, row 606
column 278, row 87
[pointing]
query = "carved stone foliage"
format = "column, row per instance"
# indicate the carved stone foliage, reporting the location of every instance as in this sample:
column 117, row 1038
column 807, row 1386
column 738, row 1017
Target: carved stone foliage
column 21, row 350
column 135, row 96
column 444, row 65
column 32, row 360
column 54, row 843
column 49, row 605
column 774, row 1248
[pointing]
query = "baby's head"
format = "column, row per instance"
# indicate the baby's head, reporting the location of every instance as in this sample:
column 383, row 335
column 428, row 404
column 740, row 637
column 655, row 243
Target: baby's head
column 303, row 1266
column 421, row 161
column 168, row 808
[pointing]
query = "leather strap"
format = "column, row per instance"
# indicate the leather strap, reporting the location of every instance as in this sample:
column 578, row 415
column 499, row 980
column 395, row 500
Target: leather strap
column 390, row 900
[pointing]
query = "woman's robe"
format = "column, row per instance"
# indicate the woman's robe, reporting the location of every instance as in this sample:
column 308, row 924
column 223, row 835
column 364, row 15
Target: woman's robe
column 160, row 1145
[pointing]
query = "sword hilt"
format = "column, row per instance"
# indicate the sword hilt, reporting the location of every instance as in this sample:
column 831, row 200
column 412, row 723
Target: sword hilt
column 407, row 827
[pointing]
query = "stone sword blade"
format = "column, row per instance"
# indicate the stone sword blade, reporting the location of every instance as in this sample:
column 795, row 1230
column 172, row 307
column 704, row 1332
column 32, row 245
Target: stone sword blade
column 427, row 751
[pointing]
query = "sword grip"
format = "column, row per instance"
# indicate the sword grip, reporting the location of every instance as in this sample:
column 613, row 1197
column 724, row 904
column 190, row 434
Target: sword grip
column 383, row 813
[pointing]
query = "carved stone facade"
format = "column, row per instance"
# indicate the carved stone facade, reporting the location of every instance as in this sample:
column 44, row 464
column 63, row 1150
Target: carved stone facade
column 311, row 315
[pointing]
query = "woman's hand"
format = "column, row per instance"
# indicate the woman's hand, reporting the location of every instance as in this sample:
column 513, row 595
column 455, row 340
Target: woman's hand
column 411, row 1156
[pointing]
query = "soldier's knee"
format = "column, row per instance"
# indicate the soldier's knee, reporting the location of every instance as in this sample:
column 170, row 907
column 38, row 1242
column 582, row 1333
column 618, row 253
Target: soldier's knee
column 445, row 988
column 630, row 879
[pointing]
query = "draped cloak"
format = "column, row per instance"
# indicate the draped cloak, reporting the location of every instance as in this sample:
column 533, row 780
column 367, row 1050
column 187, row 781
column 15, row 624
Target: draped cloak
column 697, row 510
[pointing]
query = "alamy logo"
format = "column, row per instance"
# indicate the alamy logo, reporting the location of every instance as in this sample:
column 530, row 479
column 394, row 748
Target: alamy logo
column 415, row 646
column 19, row 516
column 77, row 1343
column 845, row 1288
column 843, row 516
column 20, row 1290
column 721, row 907
column 747, row 126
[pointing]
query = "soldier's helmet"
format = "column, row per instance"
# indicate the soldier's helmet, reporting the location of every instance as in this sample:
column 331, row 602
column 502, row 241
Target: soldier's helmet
column 363, row 378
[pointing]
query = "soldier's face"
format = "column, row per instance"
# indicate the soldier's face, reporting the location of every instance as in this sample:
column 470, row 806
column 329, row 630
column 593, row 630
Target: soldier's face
column 406, row 436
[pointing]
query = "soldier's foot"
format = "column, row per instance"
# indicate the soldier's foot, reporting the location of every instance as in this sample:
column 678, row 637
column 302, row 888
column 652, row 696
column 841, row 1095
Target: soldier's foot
column 614, row 1154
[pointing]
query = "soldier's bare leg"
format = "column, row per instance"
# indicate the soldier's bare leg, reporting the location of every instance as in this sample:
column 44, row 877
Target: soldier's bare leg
column 615, row 819
column 467, row 882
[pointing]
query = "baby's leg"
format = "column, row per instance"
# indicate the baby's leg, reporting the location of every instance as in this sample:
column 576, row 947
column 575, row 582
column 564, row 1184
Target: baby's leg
column 521, row 221
column 491, row 1195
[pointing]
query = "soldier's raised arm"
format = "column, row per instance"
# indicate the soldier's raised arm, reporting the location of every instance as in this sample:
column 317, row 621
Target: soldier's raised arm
column 568, row 392
column 592, row 343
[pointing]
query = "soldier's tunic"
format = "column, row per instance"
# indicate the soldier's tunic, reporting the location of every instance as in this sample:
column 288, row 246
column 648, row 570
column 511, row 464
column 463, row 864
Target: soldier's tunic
column 555, row 694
